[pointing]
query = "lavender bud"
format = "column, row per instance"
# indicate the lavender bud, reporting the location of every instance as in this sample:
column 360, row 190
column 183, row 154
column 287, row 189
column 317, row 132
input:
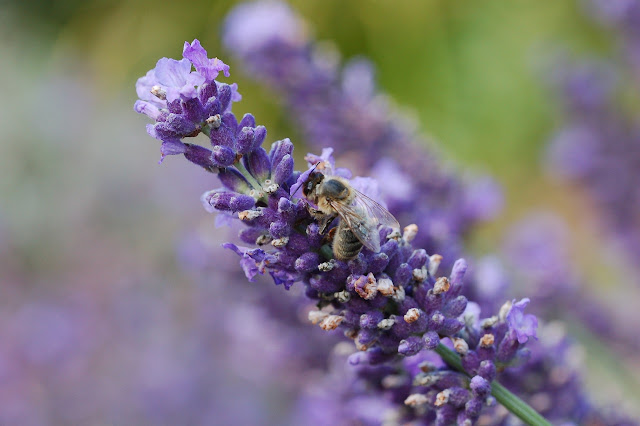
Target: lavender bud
column 470, row 361
column 224, row 96
column 283, row 170
column 446, row 415
column 431, row 339
column 371, row 319
column 366, row 338
column 193, row 110
column 248, row 120
column 378, row 262
column 358, row 266
column 207, row 91
column 451, row 326
column 212, row 109
column 402, row 275
column 279, row 229
column 411, row 346
column 244, row 144
column 226, row 201
column 259, row 134
column 436, row 320
column 457, row 273
column 480, row 386
column 307, row 262
column 279, row 149
column 254, row 236
column 418, row 259
column 222, row 156
column 508, row 347
column 458, row 396
column 222, row 136
column 324, row 285
column 455, row 307
column 487, row 370
column 200, row 156
column 257, row 162
column 473, row 407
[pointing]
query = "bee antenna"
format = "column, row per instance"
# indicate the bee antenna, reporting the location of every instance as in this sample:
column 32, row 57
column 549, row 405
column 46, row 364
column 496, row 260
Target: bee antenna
column 302, row 183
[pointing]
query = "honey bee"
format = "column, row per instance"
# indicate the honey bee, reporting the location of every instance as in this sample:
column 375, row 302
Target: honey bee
column 359, row 215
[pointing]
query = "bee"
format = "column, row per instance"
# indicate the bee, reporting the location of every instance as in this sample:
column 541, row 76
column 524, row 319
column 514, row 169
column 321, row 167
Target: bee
column 359, row 215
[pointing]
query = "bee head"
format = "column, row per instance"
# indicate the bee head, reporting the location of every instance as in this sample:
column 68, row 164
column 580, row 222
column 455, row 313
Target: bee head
column 312, row 181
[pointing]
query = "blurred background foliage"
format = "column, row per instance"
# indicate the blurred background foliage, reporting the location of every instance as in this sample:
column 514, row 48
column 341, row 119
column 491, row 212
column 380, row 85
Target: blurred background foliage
column 81, row 195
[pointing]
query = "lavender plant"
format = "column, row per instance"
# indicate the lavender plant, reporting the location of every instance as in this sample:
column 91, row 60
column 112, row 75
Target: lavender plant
column 389, row 302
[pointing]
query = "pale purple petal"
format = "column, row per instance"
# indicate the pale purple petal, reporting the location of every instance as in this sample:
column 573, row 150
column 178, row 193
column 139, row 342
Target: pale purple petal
column 208, row 68
column 296, row 189
column 524, row 325
column 172, row 76
column 147, row 108
column 224, row 219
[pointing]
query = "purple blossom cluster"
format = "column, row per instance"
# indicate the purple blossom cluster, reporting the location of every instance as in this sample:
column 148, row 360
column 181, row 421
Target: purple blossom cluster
column 392, row 303
column 434, row 393
column 389, row 302
column 422, row 389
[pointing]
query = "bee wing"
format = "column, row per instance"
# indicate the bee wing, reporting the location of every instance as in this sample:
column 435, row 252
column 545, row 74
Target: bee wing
column 363, row 217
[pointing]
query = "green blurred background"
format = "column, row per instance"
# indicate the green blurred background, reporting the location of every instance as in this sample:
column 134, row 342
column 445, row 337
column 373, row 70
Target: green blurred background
column 77, row 164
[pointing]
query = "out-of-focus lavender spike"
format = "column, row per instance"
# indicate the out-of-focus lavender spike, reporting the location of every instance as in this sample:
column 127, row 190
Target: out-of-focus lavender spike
column 598, row 146
column 537, row 250
column 623, row 16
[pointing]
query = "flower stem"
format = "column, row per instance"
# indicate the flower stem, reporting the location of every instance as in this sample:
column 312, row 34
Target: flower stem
column 252, row 181
column 510, row 401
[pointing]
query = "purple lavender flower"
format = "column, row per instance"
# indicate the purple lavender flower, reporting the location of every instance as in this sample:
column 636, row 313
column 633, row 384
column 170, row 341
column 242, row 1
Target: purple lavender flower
column 598, row 147
column 523, row 325
column 389, row 302
column 536, row 249
column 185, row 103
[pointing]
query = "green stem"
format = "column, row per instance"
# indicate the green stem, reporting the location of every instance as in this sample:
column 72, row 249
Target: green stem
column 510, row 401
column 252, row 181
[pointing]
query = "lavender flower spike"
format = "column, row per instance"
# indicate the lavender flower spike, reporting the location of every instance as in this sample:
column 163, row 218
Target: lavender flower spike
column 184, row 103
column 388, row 302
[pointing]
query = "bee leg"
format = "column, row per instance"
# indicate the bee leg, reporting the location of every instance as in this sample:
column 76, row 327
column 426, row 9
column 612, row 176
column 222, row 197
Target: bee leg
column 324, row 220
